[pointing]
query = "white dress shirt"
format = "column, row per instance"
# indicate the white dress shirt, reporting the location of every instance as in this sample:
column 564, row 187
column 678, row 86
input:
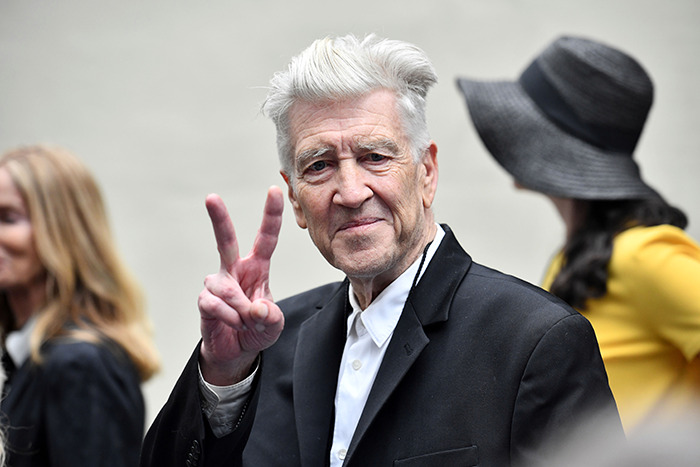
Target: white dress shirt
column 369, row 334
column 223, row 404
column 17, row 342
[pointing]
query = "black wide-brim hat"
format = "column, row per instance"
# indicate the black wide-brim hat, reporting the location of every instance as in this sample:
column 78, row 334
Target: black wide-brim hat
column 569, row 125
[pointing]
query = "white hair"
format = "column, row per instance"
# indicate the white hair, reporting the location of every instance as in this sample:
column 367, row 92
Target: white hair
column 347, row 67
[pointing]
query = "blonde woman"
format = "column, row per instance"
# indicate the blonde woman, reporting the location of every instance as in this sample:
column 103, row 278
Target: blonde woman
column 76, row 340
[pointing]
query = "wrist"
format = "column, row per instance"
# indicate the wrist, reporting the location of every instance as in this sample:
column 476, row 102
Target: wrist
column 226, row 372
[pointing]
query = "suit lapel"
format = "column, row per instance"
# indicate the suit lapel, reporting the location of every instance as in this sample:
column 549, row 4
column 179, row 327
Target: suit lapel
column 406, row 345
column 316, row 362
column 427, row 303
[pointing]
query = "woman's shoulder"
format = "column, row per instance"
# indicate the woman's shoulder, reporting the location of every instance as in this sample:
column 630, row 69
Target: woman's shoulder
column 66, row 353
column 654, row 235
column 67, row 348
column 654, row 240
column 655, row 249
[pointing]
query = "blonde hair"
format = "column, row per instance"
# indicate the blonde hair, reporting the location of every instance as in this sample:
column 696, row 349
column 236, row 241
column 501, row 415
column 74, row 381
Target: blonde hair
column 87, row 284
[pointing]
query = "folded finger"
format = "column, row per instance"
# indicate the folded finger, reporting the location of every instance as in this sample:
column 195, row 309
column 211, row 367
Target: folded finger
column 213, row 308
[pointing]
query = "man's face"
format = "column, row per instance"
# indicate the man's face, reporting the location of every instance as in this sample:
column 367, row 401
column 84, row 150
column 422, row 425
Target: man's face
column 357, row 188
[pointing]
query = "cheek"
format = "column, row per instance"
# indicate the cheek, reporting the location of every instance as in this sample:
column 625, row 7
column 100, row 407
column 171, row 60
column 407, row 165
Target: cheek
column 25, row 256
column 35, row 262
column 19, row 241
column 31, row 256
column 405, row 199
column 312, row 204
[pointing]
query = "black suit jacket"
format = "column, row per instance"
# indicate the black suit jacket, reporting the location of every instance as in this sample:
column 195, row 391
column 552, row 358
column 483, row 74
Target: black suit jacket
column 82, row 407
column 481, row 369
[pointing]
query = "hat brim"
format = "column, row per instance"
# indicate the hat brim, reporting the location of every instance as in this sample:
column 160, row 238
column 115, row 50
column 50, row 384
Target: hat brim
column 540, row 155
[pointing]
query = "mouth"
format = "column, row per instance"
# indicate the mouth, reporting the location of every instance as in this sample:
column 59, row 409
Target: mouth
column 358, row 224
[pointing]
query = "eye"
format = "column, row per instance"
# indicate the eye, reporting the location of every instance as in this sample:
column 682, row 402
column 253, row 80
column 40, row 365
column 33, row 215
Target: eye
column 8, row 216
column 318, row 166
column 374, row 157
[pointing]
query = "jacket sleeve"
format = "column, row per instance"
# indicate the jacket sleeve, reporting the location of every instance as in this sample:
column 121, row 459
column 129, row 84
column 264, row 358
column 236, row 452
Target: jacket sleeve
column 564, row 386
column 180, row 434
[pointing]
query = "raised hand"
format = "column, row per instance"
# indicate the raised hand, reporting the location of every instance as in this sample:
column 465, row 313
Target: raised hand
column 238, row 316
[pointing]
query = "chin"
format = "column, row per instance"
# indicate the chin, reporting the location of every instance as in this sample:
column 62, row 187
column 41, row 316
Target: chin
column 364, row 264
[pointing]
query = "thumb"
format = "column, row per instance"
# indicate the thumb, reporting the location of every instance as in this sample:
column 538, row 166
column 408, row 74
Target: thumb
column 266, row 315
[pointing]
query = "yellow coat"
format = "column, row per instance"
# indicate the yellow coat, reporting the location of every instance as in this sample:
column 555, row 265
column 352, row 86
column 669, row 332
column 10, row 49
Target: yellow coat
column 648, row 322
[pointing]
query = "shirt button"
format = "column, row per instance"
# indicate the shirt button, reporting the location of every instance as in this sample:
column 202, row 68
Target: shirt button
column 356, row 365
column 342, row 453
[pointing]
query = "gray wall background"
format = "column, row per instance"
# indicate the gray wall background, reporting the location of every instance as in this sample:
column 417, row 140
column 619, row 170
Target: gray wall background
column 161, row 100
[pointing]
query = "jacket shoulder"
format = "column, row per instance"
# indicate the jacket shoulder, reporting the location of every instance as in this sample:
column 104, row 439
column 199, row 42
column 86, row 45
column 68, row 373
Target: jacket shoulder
column 508, row 292
column 67, row 351
column 65, row 358
column 298, row 308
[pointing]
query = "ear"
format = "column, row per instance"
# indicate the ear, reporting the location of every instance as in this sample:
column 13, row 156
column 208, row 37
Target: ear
column 298, row 212
column 430, row 177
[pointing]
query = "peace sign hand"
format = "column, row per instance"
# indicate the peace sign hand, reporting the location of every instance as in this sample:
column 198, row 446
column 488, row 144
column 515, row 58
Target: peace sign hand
column 238, row 316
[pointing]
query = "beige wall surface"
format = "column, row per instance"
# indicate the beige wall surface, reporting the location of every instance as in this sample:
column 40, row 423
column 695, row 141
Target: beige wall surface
column 161, row 100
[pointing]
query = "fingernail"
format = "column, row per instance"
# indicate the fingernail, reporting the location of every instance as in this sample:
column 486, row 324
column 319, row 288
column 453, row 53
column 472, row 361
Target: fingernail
column 263, row 311
column 260, row 327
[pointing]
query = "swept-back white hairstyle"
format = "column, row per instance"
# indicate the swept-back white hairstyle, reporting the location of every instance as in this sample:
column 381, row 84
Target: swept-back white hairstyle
column 345, row 67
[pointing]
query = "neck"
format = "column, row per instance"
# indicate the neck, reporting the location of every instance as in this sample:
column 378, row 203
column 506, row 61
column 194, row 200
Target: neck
column 572, row 212
column 368, row 288
column 26, row 301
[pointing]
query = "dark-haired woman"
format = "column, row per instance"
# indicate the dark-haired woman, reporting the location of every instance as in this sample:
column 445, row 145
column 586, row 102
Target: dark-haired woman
column 567, row 129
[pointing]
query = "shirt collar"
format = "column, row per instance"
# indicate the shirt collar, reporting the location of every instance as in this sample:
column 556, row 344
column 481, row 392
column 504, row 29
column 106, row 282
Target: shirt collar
column 382, row 315
column 17, row 342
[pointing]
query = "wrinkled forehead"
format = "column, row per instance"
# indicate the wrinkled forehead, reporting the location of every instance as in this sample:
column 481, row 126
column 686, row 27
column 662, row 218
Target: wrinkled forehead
column 372, row 116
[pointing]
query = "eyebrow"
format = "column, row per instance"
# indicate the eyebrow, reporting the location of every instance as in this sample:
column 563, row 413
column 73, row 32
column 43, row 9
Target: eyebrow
column 387, row 144
column 363, row 144
column 304, row 157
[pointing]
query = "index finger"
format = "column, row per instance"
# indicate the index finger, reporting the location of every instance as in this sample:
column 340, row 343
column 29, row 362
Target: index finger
column 226, row 241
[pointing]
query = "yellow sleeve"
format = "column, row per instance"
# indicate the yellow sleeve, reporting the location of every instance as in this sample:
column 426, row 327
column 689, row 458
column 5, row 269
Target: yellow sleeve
column 662, row 266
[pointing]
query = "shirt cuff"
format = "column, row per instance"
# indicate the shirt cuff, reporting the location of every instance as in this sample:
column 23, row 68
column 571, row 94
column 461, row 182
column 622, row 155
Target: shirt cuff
column 222, row 405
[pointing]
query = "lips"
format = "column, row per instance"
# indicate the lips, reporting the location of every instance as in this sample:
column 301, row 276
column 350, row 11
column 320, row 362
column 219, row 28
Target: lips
column 358, row 223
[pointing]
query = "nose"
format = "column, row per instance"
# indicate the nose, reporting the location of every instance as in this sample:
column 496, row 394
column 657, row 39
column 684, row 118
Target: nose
column 351, row 186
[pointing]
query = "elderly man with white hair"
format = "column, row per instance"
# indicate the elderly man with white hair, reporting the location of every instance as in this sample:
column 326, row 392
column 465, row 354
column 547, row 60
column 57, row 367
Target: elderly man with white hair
column 420, row 357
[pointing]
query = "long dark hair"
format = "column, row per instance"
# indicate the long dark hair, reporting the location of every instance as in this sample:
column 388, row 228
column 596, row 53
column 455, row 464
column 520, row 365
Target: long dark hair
column 584, row 272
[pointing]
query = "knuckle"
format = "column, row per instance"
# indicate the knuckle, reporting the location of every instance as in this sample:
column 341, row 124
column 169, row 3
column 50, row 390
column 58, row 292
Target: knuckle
column 206, row 301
